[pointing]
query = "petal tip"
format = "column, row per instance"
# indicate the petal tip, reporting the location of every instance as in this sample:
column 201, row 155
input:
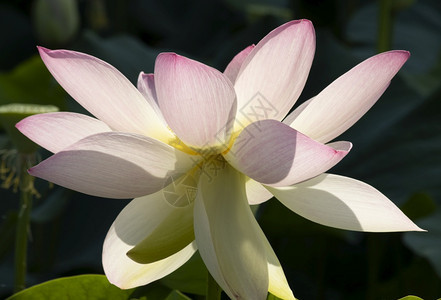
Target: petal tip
column 403, row 53
column 43, row 51
column 145, row 76
column 399, row 56
column 418, row 229
column 20, row 125
column 348, row 147
column 164, row 55
column 302, row 22
column 31, row 171
column 41, row 48
column 307, row 21
column 167, row 59
column 35, row 170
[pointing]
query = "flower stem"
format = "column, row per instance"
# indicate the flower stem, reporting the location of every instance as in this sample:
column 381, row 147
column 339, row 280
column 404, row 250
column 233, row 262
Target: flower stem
column 21, row 238
column 213, row 289
column 384, row 26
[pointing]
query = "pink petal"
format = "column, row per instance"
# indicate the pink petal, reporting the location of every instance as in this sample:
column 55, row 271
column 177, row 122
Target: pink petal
column 274, row 73
column 233, row 67
column 197, row 101
column 348, row 98
column 274, row 154
column 105, row 92
column 345, row 203
column 146, row 85
column 58, row 130
column 114, row 165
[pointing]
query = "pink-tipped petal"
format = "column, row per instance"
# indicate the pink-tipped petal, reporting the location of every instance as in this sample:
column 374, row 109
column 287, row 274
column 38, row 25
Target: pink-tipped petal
column 233, row 67
column 274, row 73
column 135, row 222
column 114, row 165
column 197, row 101
column 58, row 130
column 146, row 85
column 104, row 92
column 348, row 98
column 345, row 203
column 273, row 153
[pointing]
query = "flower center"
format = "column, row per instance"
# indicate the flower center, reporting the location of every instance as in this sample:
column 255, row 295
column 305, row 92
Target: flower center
column 180, row 190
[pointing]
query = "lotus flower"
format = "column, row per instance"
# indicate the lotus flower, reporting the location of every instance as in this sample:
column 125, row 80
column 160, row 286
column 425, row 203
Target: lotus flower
column 195, row 147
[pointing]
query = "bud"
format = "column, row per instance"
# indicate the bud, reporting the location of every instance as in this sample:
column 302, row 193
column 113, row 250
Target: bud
column 56, row 22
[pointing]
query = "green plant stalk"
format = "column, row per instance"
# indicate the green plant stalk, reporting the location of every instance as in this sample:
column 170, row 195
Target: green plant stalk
column 384, row 42
column 213, row 289
column 23, row 221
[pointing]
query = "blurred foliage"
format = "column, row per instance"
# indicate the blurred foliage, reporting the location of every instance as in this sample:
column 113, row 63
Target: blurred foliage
column 31, row 83
column 77, row 287
column 397, row 145
column 410, row 298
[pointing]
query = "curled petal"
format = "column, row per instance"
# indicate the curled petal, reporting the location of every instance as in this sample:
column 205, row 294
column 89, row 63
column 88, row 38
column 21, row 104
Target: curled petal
column 58, row 130
column 274, row 154
column 197, row 101
column 228, row 236
column 146, row 85
column 256, row 192
column 345, row 203
column 175, row 231
column 104, row 92
column 348, row 98
column 137, row 221
column 114, row 165
column 273, row 75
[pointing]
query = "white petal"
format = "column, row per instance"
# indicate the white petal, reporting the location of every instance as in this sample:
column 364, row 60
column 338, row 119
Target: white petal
column 228, row 236
column 345, row 203
column 197, row 101
column 256, row 193
column 275, row 154
column 135, row 222
column 58, row 130
column 104, row 92
column 278, row 285
column 348, row 98
column 114, row 165
column 274, row 73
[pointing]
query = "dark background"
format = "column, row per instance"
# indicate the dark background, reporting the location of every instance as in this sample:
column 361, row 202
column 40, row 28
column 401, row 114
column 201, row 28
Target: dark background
column 397, row 144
